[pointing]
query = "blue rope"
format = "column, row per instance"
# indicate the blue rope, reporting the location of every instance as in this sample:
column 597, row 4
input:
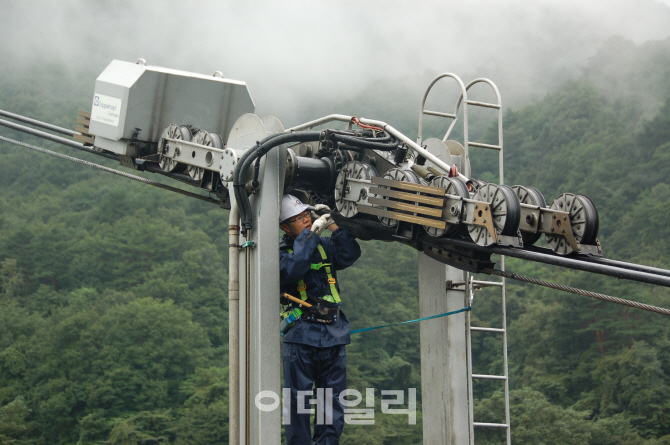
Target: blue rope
column 465, row 309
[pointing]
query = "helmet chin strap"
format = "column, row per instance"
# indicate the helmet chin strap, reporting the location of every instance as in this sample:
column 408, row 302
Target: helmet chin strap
column 292, row 232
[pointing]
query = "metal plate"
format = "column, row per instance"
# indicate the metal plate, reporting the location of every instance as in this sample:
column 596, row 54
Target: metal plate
column 406, row 207
column 247, row 130
column 381, row 213
column 409, row 186
column 208, row 140
column 439, row 149
column 272, row 124
column 399, row 175
column 407, row 196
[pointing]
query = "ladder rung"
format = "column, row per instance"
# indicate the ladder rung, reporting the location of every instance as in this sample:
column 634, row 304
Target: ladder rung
column 482, row 104
column 438, row 113
column 489, row 377
column 479, row 144
column 491, row 425
column 476, row 328
column 488, row 283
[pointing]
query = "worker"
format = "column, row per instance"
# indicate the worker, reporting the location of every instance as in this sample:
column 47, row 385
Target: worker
column 313, row 348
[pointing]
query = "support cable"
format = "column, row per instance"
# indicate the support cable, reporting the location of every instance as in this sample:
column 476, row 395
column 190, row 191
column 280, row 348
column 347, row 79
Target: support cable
column 608, row 262
column 35, row 122
column 635, row 304
column 651, row 277
column 54, row 138
column 113, row 171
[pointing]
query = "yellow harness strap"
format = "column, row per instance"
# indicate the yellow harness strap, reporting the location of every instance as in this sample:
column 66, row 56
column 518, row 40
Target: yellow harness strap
column 302, row 287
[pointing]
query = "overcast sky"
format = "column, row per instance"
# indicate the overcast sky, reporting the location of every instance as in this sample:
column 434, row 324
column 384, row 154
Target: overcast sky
column 296, row 52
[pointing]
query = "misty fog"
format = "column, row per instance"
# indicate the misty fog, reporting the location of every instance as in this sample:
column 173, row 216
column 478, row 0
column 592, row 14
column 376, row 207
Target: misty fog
column 303, row 55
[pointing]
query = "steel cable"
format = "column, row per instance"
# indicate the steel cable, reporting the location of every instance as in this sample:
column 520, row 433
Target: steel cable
column 586, row 293
column 113, row 171
column 35, row 122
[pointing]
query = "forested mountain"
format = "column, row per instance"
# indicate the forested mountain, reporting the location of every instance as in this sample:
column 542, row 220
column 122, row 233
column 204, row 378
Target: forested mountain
column 113, row 302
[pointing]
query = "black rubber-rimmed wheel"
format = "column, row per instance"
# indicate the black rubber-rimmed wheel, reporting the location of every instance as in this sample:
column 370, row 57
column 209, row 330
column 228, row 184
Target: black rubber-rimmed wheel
column 531, row 196
column 513, row 219
column 591, row 236
column 505, row 211
column 584, row 222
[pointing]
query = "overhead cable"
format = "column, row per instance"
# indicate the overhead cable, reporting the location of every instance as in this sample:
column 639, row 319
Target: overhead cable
column 113, row 171
column 596, row 295
column 35, row 122
column 649, row 276
column 54, row 138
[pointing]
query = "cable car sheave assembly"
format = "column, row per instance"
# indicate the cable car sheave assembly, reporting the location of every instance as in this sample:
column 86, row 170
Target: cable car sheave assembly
column 201, row 131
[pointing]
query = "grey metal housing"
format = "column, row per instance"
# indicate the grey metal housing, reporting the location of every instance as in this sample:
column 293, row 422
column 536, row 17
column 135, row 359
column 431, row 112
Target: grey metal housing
column 133, row 95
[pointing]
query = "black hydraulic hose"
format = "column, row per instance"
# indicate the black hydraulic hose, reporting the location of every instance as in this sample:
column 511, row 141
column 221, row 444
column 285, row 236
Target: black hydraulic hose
column 257, row 172
column 244, row 205
column 387, row 137
column 35, row 122
column 350, row 147
column 569, row 263
column 356, row 142
column 261, row 148
column 236, row 174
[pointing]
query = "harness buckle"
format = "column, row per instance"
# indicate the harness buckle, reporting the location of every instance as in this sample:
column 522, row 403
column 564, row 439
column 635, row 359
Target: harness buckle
column 331, row 281
column 302, row 287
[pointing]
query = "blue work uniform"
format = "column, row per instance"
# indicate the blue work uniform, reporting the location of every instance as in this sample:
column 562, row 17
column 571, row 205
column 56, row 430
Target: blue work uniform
column 313, row 352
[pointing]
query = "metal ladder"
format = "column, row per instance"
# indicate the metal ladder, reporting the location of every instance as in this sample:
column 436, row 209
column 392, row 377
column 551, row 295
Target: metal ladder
column 470, row 283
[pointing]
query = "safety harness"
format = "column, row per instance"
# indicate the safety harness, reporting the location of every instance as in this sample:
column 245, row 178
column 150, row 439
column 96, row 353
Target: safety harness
column 326, row 310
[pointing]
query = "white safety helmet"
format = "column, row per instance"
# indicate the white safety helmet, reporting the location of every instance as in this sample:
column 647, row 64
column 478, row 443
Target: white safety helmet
column 290, row 207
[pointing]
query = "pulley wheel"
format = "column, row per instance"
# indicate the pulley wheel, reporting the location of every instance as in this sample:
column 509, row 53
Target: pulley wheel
column 475, row 184
column 207, row 139
column 397, row 174
column 593, row 211
column 453, row 186
column 351, row 170
column 530, row 196
column 172, row 132
column 584, row 222
column 505, row 211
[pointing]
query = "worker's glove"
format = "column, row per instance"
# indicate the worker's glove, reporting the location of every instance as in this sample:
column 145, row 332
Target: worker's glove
column 321, row 223
column 320, row 209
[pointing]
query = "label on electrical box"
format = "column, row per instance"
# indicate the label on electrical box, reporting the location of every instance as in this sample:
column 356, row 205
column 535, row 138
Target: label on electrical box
column 106, row 109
